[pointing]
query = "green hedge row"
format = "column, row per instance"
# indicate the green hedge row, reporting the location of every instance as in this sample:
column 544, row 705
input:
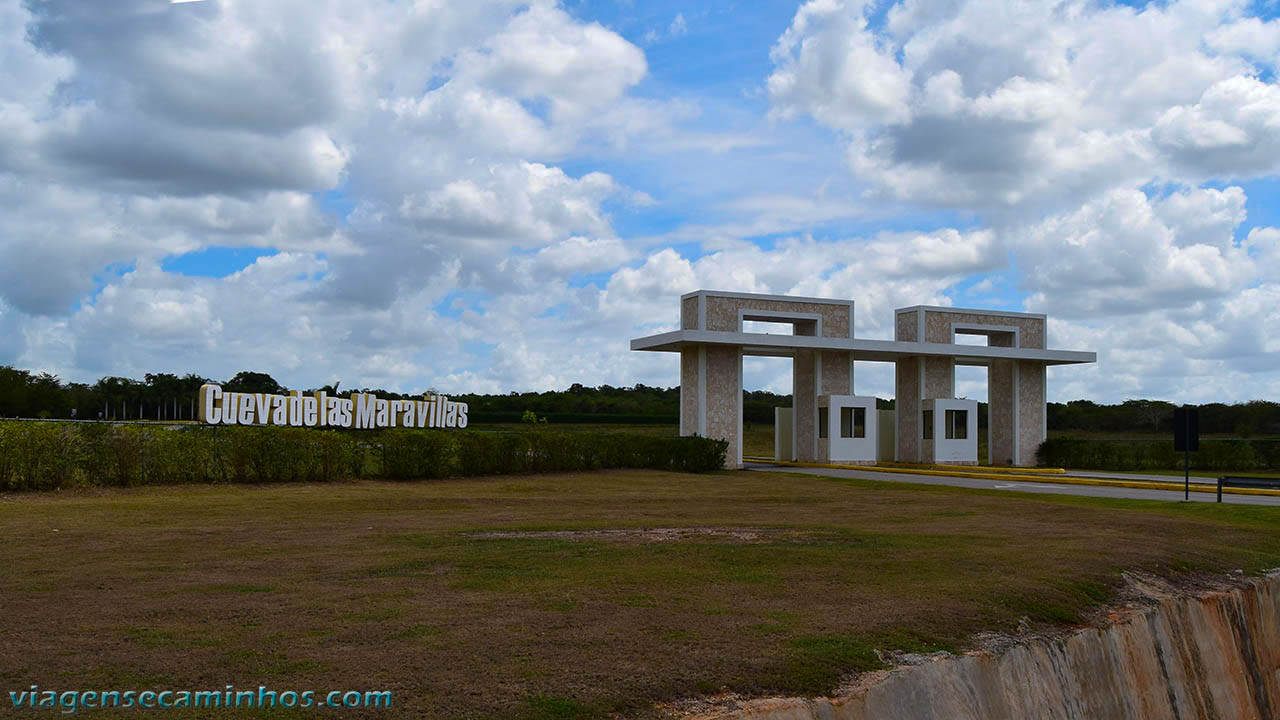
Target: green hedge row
column 1215, row 454
column 42, row 456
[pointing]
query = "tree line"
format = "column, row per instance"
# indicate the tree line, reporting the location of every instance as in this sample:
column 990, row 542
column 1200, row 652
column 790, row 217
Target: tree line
column 1248, row 419
column 166, row 396
column 158, row 396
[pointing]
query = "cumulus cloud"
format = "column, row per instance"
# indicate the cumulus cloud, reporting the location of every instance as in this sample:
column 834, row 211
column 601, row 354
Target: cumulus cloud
column 530, row 204
column 400, row 158
column 1066, row 99
column 448, row 194
column 1233, row 131
column 543, row 53
column 1160, row 286
column 1084, row 136
column 1126, row 254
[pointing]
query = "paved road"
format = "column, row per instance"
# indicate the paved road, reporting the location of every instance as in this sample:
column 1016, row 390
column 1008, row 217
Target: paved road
column 1147, row 477
column 1028, row 487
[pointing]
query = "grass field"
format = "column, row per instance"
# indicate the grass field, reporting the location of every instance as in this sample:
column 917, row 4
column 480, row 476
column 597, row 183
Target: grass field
column 558, row 596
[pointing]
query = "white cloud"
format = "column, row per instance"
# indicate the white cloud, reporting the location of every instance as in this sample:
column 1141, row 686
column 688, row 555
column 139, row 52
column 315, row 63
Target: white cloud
column 545, row 54
column 530, row 204
column 1064, row 101
column 842, row 74
column 1125, row 254
column 489, row 196
column 1248, row 36
column 678, row 26
column 1233, row 131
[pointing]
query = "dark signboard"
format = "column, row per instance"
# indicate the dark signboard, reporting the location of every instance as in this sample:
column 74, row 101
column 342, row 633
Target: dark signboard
column 1186, row 429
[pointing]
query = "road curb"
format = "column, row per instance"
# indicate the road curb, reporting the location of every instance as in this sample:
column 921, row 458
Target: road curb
column 973, row 468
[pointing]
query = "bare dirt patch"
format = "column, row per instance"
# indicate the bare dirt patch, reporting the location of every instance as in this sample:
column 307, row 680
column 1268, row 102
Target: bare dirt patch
column 663, row 534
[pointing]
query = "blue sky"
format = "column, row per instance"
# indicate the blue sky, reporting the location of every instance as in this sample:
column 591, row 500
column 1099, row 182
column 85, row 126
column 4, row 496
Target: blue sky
column 497, row 196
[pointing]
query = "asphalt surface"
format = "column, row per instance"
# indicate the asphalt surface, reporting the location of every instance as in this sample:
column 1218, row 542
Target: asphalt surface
column 1047, row 488
column 1195, row 479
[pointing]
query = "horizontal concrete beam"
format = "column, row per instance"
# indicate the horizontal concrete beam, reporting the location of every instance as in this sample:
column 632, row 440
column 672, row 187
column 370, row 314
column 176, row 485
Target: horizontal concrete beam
column 765, row 344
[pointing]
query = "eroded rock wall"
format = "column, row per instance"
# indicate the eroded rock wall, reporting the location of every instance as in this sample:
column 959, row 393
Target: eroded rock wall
column 1170, row 656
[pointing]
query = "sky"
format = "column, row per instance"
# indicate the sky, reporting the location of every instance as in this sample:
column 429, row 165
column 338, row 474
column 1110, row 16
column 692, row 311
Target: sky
column 496, row 196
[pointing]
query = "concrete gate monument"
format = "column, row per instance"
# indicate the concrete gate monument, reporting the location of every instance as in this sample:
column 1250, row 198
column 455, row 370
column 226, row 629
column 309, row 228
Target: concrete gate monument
column 830, row 422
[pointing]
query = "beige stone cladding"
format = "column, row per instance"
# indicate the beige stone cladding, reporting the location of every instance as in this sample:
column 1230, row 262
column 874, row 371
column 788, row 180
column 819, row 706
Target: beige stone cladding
column 837, row 373
column 939, row 382
column 804, row 394
column 836, row 379
column 939, row 378
column 904, row 326
column 689, row 313
column 722, row 313
column 938, row 323
column 1031, row 409
column 1000, row 412
column 724, row 399
column 690, row 396
column 907, row 394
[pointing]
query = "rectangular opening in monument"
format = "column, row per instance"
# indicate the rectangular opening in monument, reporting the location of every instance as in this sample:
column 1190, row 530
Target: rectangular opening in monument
column 768, row 328
column 957, row 424
column 822, row 422
column 927, row 425
column 766, row 386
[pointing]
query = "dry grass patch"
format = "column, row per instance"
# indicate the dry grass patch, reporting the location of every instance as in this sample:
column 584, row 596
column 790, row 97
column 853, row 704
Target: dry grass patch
column 560, row 595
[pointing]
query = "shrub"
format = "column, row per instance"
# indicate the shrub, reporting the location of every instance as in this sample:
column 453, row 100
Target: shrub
column 482, row 453
column 8, row 457
column 335, row 456
column 179, row 455
column 40, row 456
column 409, row 454
column 1216, row 454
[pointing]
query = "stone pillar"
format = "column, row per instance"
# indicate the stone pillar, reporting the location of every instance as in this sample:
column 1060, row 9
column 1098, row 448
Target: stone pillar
column 692, row 371
column 917, row 379
column 907, row 396
column 835, row 377
column 1000, row 401
column 908, row 387
column 724, row 400
column 1000, row 412
column 814, row 373
column 1031, row 386
column 804, row 401
column 837, row 373
column 711, row 396
column 939, row 382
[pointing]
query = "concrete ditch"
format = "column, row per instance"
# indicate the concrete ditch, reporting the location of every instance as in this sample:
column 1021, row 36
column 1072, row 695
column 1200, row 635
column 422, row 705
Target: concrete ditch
column 1208, row 649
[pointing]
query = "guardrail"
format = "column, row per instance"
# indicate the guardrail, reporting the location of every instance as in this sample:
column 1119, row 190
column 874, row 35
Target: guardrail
column 1260, row 483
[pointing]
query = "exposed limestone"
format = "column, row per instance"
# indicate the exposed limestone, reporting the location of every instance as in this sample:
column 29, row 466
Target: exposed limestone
column 1165, row 654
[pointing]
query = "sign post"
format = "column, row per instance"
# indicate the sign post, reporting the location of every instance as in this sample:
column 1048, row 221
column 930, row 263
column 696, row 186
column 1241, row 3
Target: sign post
column 1186, row 437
